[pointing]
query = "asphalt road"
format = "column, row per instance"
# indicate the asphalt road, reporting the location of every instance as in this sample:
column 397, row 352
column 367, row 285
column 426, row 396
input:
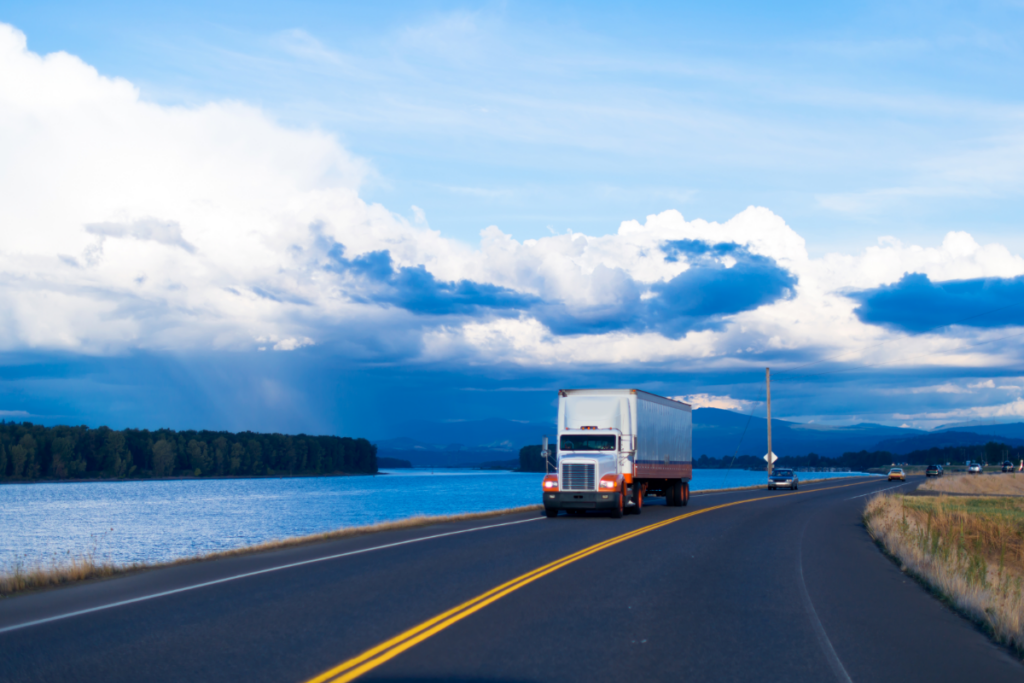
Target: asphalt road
column 786, row 587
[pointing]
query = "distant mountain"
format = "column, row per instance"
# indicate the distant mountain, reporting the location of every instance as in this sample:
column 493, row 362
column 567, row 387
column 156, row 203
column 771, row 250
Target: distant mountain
column 494, row 432
column 923, row 442
column 1011, row 431
column 720, row 433
column 977, row 425
column 716, row 433
column 471, row 442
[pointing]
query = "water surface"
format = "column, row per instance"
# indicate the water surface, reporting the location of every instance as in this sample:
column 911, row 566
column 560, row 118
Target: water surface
column 150, row 521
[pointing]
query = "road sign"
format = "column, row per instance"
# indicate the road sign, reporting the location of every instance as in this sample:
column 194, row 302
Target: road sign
column 774, row 457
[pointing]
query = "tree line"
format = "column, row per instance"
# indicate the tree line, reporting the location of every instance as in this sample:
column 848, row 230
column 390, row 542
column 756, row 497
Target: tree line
column 992, row 452
column 31, row 452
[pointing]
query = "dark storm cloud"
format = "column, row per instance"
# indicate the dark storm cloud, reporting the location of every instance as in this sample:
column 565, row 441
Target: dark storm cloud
column 697, row 299
column 417, row 291
column 701, row 296
column 915, row 304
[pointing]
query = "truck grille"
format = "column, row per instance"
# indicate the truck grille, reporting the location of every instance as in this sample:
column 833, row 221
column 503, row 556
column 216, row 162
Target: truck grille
column 577, row 476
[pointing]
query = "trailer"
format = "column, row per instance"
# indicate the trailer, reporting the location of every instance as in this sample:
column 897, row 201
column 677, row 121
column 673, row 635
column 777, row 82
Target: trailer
column 616, row 446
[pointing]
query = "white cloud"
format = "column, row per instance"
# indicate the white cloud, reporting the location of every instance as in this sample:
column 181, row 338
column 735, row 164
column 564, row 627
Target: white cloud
column 946, row 388
column 129, row 224
column 1013, row 409
column 712, row 401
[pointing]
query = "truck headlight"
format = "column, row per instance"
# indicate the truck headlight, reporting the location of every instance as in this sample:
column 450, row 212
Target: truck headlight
column 550, row 482
column 609, row 482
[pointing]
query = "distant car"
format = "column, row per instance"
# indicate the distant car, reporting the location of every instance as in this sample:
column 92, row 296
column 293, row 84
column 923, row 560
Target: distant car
column 897, row 473
column 933, row 471
column 1007, row 466
column 785, row 478
column 974, row 468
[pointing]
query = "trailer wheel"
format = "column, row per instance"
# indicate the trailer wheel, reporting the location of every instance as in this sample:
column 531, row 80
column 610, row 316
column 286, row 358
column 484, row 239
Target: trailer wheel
column 686, row 493
column 551, row 512
column 677, row 494
column 617, row 510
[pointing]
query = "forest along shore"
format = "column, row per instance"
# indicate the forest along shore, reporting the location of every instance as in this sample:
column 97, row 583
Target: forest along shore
column 30, row 452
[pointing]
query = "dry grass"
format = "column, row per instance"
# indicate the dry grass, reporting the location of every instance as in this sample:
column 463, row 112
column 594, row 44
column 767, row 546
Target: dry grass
column 977, row 484
column 57, row 572
column 62, row 571
column 969, row 550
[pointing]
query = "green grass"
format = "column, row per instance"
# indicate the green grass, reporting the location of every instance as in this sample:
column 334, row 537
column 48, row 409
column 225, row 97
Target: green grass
column 1007, row 508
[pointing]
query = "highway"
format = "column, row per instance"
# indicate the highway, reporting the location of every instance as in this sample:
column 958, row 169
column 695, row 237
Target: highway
column 737, row 586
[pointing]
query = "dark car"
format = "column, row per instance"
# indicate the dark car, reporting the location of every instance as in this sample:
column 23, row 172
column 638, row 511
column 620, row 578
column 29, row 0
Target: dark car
column 933, row 471
column 1007, row 466
column 783, row 478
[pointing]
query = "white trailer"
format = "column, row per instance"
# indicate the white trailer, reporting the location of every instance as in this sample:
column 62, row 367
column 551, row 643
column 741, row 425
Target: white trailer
column 617, row 445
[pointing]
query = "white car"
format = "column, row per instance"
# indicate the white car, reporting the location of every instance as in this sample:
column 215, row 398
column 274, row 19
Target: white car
column 974, row 468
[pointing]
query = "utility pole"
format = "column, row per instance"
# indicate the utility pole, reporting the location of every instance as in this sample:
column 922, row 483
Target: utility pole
column 768, row 388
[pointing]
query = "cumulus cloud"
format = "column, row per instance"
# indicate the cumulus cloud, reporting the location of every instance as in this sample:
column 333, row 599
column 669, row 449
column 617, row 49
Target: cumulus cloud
column 131, row 225
column 712, row 401
column 163, row 232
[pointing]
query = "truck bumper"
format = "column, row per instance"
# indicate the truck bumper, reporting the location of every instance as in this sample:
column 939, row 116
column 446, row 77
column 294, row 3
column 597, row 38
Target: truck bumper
column 581, row 500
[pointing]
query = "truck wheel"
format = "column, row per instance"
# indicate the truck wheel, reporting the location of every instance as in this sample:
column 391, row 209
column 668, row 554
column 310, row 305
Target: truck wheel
column 551, row 512
column 686, row 493
column 617, row 510
column 638, row 499
column 677, row 494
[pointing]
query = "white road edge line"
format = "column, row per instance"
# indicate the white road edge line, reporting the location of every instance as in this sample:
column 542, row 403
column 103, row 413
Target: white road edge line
column 722, row 493
column 871, row 493
column 153, row 596
column 826, row 645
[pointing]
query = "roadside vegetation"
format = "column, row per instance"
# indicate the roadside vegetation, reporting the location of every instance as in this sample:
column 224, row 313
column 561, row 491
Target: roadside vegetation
column 62, row 571
column 863, row 461
column 969, row 550
column 979, row 485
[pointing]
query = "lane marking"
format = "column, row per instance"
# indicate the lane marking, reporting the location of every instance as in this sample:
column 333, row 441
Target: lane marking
column 819, row 630
column 812, row 482
column 370, row 659
column 246, row 575
column 891, row 488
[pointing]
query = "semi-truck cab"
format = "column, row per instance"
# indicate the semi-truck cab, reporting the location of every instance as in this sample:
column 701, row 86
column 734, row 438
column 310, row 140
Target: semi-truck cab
column 615, row 446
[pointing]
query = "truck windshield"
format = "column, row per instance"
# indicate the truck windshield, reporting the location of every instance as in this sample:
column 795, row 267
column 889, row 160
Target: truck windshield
column 585, row 442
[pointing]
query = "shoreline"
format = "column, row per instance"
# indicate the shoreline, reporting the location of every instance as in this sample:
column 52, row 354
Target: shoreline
column 80, row 570
column 223, row 477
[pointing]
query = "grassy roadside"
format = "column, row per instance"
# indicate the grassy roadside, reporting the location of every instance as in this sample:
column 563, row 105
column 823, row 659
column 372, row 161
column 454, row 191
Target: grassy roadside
column 65, row 571
column 969, row 550
column 977, row 484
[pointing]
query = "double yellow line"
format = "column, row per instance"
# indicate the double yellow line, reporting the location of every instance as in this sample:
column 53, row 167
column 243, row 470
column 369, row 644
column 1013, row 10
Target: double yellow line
column 374, row 657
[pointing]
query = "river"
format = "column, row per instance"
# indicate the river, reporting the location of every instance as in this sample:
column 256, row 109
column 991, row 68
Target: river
column 153, row 521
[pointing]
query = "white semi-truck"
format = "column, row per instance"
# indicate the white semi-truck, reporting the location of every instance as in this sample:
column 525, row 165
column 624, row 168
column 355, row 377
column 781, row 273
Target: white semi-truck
column 614, row 447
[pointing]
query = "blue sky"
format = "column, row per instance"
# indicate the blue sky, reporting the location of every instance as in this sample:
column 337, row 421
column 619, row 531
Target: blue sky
column 238, row 215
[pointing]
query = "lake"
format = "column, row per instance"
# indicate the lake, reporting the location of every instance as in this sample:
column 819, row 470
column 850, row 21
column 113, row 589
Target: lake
column 153, row 521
